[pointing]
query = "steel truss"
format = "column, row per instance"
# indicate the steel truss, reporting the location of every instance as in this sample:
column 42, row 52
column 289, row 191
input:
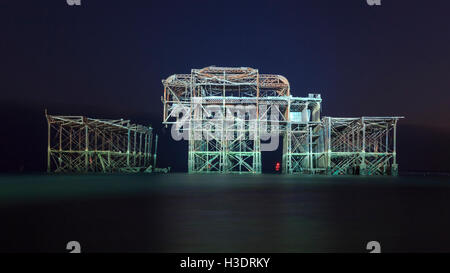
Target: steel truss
column 225, row 112
column 82, row 144
column 365, row 146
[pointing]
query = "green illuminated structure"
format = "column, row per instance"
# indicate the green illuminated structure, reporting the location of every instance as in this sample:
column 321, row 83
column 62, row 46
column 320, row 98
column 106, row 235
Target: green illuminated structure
column 82, row 144
column 229, row 115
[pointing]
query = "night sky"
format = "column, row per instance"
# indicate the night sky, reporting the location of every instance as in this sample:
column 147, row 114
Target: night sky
column 106, row 59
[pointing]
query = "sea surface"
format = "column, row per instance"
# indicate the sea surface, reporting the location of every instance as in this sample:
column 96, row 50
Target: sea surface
column 181, row 212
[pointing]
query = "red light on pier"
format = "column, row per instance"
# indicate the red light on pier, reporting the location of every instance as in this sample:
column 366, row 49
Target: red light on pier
column 277, row 167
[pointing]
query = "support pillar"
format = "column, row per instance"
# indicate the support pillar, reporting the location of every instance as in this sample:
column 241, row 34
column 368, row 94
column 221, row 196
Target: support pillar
column 156, row 150
column 394, row 168
column 86, row 148
column 362, row 165
column 48, row 144
column 128, row 146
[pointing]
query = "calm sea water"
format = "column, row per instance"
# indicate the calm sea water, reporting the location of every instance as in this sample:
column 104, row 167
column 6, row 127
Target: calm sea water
column 223, row 213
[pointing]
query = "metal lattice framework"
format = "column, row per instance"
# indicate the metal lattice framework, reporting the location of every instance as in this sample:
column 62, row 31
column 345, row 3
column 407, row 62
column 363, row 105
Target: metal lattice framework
column 301, row 135
column 223, row 111
column 365, row 145
column 227, row 113
column 82, row 144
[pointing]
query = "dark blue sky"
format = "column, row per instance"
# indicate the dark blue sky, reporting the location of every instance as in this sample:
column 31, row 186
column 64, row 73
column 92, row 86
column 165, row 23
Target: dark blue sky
column 107, row 58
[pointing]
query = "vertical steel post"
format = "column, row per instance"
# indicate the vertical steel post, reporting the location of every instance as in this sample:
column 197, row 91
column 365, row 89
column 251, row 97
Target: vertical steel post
column 311, row 167
column 86, row 148
column 109, row 151
column 140, row 149
column 222, row 135
column 145, row 147
column 386, row 149
column 48, row 143
column 362, row 166
column 156, row 151
column 394, row 169
column 128, row 145
column 134, row 147
column 257, row 145
column 394, row 148
column 95, row 153
column 60, row 147
column 329, row 146
column 150, row 144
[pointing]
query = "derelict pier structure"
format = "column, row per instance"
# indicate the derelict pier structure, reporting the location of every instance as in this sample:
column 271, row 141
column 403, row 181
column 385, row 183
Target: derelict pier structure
column 229, row 115
column 82, row 144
